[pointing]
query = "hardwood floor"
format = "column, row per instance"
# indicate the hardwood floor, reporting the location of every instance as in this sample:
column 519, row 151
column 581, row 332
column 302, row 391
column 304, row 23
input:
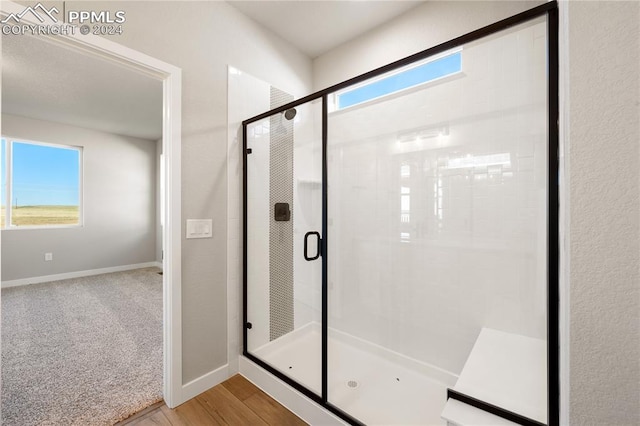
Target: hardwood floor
column 233, row 402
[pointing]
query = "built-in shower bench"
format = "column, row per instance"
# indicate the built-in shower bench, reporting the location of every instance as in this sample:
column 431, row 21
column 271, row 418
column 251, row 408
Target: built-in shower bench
column 505, row 370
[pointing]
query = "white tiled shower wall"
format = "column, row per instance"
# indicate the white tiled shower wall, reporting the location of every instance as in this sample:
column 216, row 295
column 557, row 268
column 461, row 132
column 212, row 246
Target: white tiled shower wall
column 434, row 236
column 307, row 212
column 248, row 96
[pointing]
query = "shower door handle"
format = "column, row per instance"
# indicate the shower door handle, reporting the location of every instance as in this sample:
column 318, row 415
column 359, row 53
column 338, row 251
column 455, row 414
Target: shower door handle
column 306, row 245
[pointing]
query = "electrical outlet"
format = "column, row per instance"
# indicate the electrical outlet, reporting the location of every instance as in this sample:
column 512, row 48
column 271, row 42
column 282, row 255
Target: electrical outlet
column 48, row 257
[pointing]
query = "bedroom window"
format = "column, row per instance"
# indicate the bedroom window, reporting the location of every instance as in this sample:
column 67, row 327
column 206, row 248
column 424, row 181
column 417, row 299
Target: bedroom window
column 41, row 184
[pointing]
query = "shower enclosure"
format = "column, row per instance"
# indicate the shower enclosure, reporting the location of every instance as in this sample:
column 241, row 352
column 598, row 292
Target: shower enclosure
column 401, row 233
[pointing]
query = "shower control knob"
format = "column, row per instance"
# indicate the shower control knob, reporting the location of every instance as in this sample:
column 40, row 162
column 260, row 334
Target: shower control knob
column 249, row 325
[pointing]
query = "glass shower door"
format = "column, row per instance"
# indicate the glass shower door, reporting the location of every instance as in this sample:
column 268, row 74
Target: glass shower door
column 437, row 213
column 283, row 242
column 401, row 233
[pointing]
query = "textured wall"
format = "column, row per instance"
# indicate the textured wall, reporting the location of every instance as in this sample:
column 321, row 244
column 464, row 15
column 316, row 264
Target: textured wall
column 604, row 120
column 203, row 38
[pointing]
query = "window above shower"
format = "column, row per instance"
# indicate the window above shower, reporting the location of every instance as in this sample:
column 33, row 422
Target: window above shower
column 432, row 70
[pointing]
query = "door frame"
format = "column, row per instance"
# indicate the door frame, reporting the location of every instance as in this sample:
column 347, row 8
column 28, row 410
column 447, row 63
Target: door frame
column 171, row 77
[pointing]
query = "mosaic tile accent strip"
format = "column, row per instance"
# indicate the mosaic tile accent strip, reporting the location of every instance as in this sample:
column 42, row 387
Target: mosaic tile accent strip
column 280, row 232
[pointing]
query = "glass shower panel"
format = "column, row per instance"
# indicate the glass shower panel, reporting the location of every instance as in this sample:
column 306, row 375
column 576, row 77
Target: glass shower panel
column 437, row 256
column 284, row 208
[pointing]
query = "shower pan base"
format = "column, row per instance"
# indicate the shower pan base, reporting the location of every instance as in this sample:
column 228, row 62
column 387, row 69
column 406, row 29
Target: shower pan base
column 375, row 385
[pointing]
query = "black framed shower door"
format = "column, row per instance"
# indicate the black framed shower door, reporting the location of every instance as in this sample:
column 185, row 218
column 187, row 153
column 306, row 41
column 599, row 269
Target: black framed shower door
column 297, row 142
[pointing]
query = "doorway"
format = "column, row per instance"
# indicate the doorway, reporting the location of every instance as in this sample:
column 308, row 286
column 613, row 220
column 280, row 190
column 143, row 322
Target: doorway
column 170, row 78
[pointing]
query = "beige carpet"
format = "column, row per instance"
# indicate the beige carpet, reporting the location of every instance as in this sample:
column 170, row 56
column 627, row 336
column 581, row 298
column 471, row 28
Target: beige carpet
column 83, row 351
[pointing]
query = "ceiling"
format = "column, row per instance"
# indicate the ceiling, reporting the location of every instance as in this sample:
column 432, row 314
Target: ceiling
column 315, row 27
column 49, row 82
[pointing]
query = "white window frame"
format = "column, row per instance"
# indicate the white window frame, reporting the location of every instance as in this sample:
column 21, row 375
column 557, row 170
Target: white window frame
column 8, row 170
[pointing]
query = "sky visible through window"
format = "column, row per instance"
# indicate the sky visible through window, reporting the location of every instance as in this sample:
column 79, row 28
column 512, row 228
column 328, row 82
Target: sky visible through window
column 44, row 175
column 403, row 80
column 44, row 184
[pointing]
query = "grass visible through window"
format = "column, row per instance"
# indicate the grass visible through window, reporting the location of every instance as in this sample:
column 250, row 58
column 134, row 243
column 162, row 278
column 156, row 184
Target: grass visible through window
column 45, row 215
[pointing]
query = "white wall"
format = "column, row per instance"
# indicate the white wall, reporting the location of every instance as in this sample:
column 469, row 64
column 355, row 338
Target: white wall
column 203, row 38
column 119, row 205
column 602, row 139
column 422, row 27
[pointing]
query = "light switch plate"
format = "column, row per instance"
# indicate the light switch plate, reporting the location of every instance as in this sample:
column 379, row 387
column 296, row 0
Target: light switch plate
column 199, row 228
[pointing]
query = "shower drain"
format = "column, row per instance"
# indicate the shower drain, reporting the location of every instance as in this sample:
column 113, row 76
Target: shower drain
column 352, row 384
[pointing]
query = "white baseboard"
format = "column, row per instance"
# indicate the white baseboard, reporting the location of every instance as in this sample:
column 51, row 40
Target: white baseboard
column 295, row 402
column 203, row 383
column 77, row 274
